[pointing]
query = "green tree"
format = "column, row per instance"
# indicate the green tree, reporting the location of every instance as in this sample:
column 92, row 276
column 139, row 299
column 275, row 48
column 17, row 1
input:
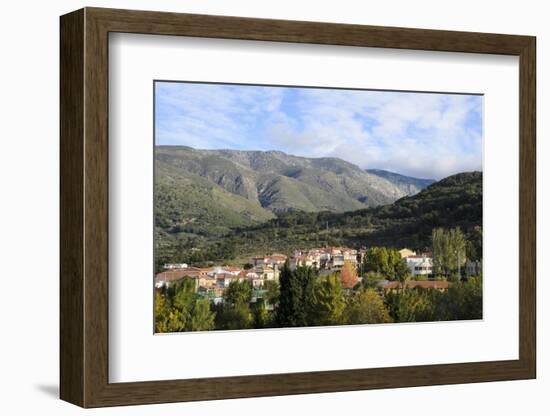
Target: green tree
column 440, row 247
column 237, row 316
column 202, row 318
column 170, row 321
column 287, row 297
column 162, row 311
column 238, row 292
column 449, row 250
column 235, row 312
column 167, row 318
column 260, row 315
column 463, row 301
column 395, row 265
column 413, row 305
column 401, row 270
column 307, row 279
column 386, row 261
column 366, row 307
column 296, row 296
column 160, row 304
column 371, row 279
column 474, row 244
column 377, row 260
column 272, row 292
column 183, row 294
column 417, row 305
column 458, row 249
column 329, row 301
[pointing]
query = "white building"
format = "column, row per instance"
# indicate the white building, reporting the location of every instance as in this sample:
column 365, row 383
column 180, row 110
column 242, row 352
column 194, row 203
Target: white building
column 267, row 273
column 420, row 265
column 275, row 260
column 174, row 266
column 222, row 270
column 337, row 260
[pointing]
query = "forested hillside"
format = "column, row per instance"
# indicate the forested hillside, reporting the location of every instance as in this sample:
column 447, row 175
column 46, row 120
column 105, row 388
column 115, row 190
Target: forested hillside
column 408, row 222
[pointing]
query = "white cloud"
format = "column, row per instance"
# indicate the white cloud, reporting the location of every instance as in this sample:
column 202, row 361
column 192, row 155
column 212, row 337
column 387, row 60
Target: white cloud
column 203, row 115
column 425, row 135
column 415, row 134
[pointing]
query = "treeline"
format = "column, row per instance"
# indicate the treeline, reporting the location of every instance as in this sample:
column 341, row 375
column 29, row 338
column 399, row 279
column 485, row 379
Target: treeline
column 304, row 298
column 178, row 308
column 462, row 301
column 455, row 201
column 307, row 299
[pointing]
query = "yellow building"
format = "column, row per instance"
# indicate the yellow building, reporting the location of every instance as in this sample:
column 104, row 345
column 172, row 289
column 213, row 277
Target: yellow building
column 405, row 252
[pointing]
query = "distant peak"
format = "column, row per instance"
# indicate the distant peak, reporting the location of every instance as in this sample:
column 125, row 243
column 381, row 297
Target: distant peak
column 381, row 172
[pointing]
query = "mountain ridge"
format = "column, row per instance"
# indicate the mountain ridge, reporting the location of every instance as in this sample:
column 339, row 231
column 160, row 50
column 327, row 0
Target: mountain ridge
column 282, row 182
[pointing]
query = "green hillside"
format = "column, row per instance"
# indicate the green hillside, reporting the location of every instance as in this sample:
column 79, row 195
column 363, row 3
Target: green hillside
column 408, row 222
column 190, row 209
column 281, row 182
column 451, row 202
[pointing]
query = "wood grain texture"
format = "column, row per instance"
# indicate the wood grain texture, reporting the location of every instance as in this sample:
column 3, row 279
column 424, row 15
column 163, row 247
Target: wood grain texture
column 527, row 208
column 96, row 219
column 84, row 207
column 71, row 100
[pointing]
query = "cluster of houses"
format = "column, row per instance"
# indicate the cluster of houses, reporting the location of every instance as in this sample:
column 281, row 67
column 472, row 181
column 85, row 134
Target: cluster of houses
column 263, row 268
column 326, row 258
column 212, row 281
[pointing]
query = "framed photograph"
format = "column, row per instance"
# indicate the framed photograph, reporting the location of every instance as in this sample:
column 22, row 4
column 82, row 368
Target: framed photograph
column 254, row 207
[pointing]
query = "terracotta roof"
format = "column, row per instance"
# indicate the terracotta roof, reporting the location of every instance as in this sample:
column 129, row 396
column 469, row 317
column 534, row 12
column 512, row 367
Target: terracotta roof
column 171, row 275
column 200, row 269
column 226, row 276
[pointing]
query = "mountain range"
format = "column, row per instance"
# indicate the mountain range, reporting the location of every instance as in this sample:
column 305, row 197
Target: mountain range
column 220, row 189
column 455, row 201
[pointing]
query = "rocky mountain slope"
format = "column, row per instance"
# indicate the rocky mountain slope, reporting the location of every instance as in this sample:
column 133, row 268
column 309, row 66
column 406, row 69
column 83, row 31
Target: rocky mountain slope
column 407, row 184
column 272, row 181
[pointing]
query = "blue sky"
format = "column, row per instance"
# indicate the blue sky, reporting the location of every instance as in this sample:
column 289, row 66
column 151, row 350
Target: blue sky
column 417, row 134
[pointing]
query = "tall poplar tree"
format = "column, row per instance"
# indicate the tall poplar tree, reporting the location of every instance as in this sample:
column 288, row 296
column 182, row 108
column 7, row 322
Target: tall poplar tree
column 449, row 250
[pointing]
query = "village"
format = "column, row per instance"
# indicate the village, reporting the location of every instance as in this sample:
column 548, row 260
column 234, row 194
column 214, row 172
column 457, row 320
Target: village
column 211, row 282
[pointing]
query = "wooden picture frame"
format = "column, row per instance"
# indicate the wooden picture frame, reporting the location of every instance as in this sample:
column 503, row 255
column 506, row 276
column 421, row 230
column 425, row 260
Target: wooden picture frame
column 84, row 207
